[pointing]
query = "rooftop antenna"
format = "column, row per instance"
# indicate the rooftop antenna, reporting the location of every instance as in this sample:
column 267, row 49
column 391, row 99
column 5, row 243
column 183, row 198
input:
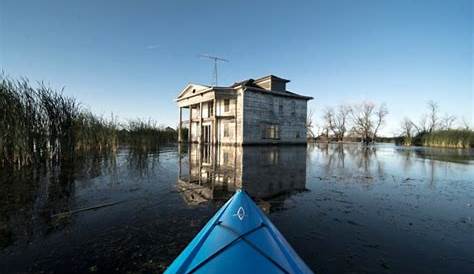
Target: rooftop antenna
column 215, row 59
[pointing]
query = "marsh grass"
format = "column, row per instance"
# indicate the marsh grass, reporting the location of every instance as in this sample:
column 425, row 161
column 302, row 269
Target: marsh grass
column 146, row 134
column 41, row 124
column 452, row 138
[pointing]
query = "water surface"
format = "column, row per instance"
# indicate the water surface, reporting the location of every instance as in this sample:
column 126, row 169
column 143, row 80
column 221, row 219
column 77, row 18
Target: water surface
column 344, row 208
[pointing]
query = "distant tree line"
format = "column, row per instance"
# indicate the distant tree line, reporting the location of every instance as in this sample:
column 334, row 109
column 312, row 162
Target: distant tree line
column 432, row 129
column 361, row 121
column 40, row 125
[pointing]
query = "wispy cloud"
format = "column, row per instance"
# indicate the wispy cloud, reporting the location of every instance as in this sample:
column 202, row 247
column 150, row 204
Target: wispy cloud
column 154, row 46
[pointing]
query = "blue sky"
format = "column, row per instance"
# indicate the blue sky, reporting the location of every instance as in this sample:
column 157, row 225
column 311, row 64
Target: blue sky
column 132, row 58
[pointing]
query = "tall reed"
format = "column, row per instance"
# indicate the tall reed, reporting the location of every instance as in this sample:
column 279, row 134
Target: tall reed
column 453, row 138
column 146, row 134
column 41, row 124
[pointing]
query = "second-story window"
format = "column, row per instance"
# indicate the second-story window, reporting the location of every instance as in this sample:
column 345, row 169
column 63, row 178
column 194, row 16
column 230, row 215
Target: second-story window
column 226, row 105
column 210, row 107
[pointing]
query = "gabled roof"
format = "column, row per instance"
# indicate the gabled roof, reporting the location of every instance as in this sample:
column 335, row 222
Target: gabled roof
column 192, row 88
column 249, row 84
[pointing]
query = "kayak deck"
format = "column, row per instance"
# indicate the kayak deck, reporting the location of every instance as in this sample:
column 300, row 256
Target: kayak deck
column 239, row 238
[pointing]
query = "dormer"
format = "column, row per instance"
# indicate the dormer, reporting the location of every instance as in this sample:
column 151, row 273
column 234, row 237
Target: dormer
column 272, row 82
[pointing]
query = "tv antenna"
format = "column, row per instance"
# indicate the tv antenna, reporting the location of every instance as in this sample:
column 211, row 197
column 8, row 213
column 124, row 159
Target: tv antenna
column 215, row 59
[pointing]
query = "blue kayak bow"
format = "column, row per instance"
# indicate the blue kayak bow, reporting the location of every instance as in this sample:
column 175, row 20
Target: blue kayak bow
column 239, row 238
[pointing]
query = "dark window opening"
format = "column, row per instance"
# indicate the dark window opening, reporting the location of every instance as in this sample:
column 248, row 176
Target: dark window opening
column 210, row 111
column 226, row 105
column 226, row 157
column 271, row 132
column 226, row 130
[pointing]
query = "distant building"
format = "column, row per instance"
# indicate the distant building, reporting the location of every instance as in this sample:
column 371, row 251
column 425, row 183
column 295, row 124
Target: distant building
column 260, row 111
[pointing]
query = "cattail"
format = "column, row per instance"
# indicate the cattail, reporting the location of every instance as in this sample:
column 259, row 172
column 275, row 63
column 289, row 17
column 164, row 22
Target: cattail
column 40, row 124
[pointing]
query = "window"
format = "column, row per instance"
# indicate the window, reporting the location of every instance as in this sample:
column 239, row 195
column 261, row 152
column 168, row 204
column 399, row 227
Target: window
column 226, row 105
column 226, row 130
column 210, row 108
column 281, row 109
column 293, row 108
column 206, row 155
column 226, row 157
column 271, row 132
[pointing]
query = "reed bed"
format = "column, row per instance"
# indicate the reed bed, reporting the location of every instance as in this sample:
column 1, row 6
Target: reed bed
column 146, row 134
column 41, row 124
column 452, row 138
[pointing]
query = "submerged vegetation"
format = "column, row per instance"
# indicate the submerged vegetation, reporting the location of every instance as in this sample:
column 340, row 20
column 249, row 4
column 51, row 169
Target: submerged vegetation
column 39, row 125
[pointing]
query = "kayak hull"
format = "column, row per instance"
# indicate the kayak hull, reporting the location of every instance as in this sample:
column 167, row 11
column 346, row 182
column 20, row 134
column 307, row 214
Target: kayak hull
column 239, row 238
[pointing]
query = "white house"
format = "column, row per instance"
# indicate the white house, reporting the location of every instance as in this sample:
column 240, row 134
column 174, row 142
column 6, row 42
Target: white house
column 260, row 111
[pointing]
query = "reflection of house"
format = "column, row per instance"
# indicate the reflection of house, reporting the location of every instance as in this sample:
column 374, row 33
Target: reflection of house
column 215, row 172
column 258, row 111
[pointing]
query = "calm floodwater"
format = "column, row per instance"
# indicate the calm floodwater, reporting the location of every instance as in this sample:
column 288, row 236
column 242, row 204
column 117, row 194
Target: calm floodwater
column 345, row 209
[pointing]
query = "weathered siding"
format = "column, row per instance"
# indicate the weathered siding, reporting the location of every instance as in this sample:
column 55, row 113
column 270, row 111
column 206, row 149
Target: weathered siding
column 261, row 110
column 228, row 119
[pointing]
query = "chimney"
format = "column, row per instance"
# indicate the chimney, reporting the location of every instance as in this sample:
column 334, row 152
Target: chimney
column 272, row 82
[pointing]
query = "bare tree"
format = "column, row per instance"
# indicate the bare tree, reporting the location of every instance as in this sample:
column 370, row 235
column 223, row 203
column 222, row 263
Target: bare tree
column 380, row 116
column 433, row 119
column 340, row 123
column 310, row 124
column 337, row 121
column 465, row 124
column 367, row 120
column 447, row 121
column 422, row 124
column 363, row 124
column 407, row 130
column 328, row 121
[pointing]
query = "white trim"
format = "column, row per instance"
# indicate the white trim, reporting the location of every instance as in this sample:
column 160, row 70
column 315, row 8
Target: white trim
column 196, row 86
